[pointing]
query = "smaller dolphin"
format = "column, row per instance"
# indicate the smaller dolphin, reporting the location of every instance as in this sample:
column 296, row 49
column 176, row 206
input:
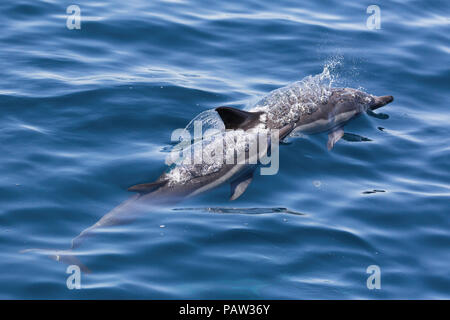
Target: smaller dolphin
column 342, row 106
column 318, row 111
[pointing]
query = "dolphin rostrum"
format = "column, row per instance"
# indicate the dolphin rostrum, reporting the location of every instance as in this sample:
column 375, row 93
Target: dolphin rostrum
column 296, row 107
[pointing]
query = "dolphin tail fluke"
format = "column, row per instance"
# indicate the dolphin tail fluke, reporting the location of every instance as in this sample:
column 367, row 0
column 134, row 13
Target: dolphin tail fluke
column 65, row 256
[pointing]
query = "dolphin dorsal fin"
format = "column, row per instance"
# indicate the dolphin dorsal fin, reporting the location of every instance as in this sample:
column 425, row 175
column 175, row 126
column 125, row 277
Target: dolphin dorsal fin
column 237, row 119
column 147, row 187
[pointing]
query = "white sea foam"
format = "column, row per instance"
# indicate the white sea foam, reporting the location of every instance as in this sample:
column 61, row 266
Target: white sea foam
column 215, row 150
column 287, row 104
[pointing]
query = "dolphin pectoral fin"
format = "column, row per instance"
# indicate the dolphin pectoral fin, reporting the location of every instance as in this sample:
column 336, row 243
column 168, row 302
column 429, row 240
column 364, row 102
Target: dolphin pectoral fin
column 147, row 187
column 379, row 115
column 239, row 185
column 334, row 137
column 237, row 119
column 351, row 137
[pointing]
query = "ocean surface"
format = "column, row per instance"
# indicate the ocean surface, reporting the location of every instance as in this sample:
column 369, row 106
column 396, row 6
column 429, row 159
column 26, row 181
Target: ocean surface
column 87, row 113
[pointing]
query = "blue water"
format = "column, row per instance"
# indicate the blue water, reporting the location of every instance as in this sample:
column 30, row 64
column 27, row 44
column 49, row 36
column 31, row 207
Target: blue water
column 87, row 113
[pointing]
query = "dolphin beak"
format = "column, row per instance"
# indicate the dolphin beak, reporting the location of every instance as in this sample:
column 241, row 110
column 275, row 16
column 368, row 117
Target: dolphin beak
column 381, row 101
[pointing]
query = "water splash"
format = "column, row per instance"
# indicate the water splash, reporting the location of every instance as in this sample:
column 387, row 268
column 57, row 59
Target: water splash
column 287, row 104
column 182, row 158
column 210, row 119
column 214, row 147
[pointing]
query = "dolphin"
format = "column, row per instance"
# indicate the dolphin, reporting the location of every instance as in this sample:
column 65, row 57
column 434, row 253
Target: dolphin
column 317, row 111
column 342, row 106
column 288, row 109
column 166, row 191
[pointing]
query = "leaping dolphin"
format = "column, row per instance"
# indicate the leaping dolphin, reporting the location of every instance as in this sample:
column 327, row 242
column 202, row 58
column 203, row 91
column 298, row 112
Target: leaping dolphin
column 295, row 107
